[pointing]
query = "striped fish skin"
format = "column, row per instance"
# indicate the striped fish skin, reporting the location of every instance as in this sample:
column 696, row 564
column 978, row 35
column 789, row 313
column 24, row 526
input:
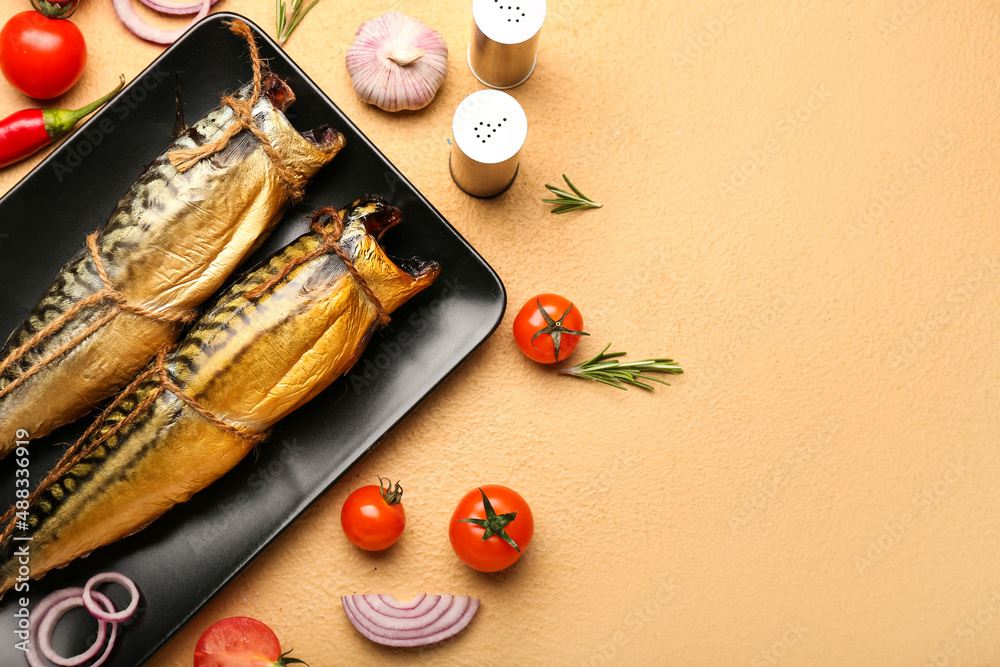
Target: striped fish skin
column 169, row 244
column 250, row 362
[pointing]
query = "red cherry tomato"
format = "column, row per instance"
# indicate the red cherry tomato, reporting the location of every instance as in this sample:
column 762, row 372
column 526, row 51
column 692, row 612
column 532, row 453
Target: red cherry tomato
column 41, row 57
column 239, row 641
column 550, row 337
column 373, row 517
column 505, row 509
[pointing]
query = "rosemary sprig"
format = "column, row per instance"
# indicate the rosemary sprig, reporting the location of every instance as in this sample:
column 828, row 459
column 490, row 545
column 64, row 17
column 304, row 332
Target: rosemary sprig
column 570, row 201
column 606, row 369
column 287, row 23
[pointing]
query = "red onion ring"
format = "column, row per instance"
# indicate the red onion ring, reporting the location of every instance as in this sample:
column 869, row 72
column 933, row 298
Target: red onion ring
column 115, row 578
column 175, row 8
column 417, row 607
column 138, row 27
column 49, row 611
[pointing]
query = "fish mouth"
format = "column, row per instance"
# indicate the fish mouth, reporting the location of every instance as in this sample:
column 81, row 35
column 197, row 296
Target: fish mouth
column 374, row 214
column 277, row 92
column 384, row 218
column 421, row 270
column 324, row 138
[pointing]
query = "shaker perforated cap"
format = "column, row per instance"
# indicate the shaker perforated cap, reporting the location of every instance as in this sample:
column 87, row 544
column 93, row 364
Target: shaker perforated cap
column 489, row 128
column 504, row 46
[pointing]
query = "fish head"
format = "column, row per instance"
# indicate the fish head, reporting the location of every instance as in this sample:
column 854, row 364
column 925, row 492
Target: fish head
column 303, row 153
column 371, row 215
column 393, row 281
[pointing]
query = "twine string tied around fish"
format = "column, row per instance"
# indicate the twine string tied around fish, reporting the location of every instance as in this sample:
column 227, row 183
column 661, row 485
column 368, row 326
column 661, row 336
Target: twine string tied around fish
column 109, row 291
column 85, row 445
column 184, row 159
column 330, row 232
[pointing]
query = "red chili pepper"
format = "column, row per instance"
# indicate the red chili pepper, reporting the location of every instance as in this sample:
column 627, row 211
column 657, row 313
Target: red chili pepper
column 25, row 132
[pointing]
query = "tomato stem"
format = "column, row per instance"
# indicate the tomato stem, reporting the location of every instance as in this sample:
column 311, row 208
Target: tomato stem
column 389, row 495
column 555, row 328
column 55, row 10
column 494, row 525
column 285, row 660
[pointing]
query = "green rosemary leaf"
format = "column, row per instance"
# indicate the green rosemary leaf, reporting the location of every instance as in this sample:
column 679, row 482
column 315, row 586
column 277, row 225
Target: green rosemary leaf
column 573, row 187
column 287, row 20
column 606, row 368
column 300, row 16
column 653, row 379
column 570, row 201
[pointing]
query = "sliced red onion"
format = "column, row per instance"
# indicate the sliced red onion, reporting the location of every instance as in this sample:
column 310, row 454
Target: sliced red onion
column 424, row 620
column 39, row 612
column 50, row 609
column 418, row 606
column 47, row 614
column 175, row 8
column 115, row 578
column 126, row 14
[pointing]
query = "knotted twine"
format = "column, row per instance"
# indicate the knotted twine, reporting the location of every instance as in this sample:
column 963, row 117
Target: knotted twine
column 331, row 243
column 109, row 291
column 184, row 159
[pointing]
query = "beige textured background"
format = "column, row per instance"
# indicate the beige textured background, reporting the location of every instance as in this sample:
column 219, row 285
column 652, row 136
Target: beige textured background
column 801, row 209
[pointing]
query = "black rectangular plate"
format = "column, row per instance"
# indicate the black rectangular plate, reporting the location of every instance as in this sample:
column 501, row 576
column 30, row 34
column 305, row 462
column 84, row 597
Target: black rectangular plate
column 184, row 558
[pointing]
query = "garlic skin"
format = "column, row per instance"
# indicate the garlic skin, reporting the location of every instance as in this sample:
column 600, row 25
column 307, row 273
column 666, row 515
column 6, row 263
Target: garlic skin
column 397, row 62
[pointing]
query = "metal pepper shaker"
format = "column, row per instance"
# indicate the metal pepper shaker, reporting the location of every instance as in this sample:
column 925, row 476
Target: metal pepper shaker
column 489, row 128
column 504, row 46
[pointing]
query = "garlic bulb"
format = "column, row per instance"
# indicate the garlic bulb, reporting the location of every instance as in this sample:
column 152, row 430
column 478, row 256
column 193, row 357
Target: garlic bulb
column 397, row 62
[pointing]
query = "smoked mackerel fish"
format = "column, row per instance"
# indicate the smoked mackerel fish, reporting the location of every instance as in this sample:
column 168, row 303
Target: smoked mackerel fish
column 264, row 347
